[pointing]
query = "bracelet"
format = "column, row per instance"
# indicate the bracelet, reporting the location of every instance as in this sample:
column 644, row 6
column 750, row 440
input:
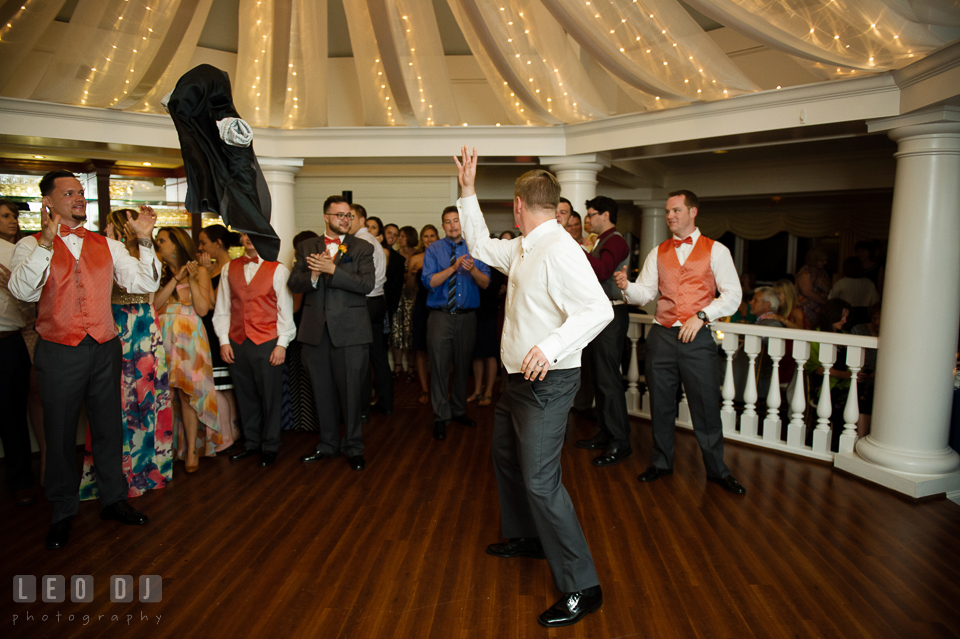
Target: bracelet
column 145, row 243
column 44, row 246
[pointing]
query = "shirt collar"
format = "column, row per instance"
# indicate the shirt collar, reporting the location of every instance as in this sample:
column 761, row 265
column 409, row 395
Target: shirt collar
column 530, row 239
column 693, row 236
column 452, row 242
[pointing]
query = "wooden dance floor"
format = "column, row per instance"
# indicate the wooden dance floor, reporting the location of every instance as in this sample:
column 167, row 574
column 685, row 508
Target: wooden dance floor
column 318, row 550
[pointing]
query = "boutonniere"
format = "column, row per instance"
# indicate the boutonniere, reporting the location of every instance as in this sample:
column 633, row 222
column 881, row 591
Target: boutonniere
column 342, row 248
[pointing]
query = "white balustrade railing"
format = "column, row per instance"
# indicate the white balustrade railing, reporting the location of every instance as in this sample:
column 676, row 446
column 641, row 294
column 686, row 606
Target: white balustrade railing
column 747, row 425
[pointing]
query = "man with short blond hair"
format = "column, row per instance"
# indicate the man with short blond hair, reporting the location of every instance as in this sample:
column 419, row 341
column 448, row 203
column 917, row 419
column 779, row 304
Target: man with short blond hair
column 554, row 308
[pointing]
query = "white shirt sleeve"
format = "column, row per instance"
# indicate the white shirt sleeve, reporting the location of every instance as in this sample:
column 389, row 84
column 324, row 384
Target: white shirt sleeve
column 29, row 270
column 728, row 283
column 286, row 329
column 496, row 254
column 221, row 311
column 645, row 289
column 584, row 304
column 135, row 275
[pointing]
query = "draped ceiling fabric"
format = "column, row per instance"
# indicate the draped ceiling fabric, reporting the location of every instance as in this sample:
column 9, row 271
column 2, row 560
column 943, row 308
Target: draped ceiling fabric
column 868, row 224
column 126, row 54
column 281, row 78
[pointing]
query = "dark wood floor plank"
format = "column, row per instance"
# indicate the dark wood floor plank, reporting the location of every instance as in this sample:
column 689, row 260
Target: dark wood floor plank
column 318, row 550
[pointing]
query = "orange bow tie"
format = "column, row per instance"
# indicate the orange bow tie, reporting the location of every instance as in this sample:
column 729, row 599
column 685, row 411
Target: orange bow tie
column 686, row 240
column 66, row 230
column 246, row 260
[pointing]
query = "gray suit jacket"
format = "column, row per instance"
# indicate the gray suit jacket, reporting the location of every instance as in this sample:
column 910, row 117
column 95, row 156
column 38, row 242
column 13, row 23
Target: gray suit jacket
column 339, row 300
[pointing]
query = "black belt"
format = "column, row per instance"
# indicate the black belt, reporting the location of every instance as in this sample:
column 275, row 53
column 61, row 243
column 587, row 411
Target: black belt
column 455, row 311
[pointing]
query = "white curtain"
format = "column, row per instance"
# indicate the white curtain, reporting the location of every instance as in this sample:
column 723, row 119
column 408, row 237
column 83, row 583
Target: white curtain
column 281, row 74
column 865, row 35
column 379, row 107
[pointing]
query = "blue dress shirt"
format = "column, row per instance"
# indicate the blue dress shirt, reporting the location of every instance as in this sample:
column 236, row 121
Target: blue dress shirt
column 436, row 259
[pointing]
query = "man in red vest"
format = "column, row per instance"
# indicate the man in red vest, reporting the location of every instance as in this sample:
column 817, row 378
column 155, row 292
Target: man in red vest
column 254, row 321
column 687, row 270
column 69, row 272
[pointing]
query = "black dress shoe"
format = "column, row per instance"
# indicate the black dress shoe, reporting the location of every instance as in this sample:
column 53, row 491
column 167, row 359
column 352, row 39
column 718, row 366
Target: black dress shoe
column 243, row 454
column 357, row 462
column 124, row 513
column 266, row 459
column 729, row 484
column 315, row 456
column 572, row 607
column 613, row 455
column 596, row 442
column 463, row 419
column 440, row 430
column 518, row 547
column 59, row 534
column 383, row 410
column 653, row 474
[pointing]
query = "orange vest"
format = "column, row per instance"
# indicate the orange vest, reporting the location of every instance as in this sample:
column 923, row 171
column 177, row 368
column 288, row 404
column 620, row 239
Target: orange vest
column 75, row 300
column 684, row 289
column 253, row 306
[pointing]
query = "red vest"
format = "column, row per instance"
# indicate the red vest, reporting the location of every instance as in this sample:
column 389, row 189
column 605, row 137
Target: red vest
column 686, row 289
column 253, row 306
column 75, row 300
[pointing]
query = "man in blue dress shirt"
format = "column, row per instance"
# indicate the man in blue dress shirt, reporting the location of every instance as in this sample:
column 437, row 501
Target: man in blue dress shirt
column 453, row 280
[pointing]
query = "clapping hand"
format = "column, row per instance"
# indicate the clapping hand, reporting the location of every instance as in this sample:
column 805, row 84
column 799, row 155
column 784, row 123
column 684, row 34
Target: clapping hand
column 620, row 278
column 468, row 264
column 321, row 263
column 182, row 273
column 193, row 269
column 203, row 259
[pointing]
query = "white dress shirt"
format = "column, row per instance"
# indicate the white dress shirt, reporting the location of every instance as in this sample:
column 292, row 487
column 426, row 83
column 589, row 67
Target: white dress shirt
column 379, row 262
column 12, row 311
column 647, row 286
column 286, row 329
column 554, row 300
column 32, row 266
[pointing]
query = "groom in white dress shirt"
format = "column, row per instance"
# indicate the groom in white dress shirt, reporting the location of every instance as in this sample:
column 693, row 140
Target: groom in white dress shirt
column 554, row 307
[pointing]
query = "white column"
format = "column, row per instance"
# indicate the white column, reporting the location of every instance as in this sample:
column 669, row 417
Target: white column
column 653, row 232
column 280, row 174
column 577, row 175
column 907, row 448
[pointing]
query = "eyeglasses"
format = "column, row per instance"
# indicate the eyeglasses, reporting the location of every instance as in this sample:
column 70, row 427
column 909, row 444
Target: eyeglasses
column 589, row 215
column 343, row 216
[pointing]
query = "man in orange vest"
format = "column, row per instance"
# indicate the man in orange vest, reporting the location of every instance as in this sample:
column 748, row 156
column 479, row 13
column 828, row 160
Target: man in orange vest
column 254, row 321
column 69, row 272
column 687, row 270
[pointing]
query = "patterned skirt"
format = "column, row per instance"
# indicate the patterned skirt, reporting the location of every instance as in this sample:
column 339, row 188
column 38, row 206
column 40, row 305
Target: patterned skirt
column 147, row 414
column 401, row 332
column 190, row 370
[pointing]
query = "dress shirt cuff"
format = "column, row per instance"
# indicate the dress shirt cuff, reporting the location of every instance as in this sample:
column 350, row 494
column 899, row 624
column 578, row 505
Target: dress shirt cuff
column 551, row 348
column 284, row 340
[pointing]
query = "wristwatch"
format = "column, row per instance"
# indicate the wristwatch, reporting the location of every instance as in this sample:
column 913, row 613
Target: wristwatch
column 703, row 317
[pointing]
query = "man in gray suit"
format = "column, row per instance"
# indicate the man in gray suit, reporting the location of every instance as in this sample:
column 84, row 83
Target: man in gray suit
column 335, row 272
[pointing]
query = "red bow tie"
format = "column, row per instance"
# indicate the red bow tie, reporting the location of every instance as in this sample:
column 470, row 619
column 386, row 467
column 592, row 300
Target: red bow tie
column 686, row 240
column 246, row 260
column 66, row 230
column 328, row 241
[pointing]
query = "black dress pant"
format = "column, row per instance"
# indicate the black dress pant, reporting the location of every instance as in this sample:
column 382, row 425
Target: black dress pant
column 69, row 376
column 379, row 364
column 670, row 362
column 258, row 387
column 14, row 431
column 606, row 353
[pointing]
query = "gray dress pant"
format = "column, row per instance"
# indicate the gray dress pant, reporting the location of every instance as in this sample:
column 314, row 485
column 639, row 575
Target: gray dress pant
column 258, row 387
column 68, row 376
column 670, row 362
column 450, row 340
column 528, row 432
column 336, row 377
